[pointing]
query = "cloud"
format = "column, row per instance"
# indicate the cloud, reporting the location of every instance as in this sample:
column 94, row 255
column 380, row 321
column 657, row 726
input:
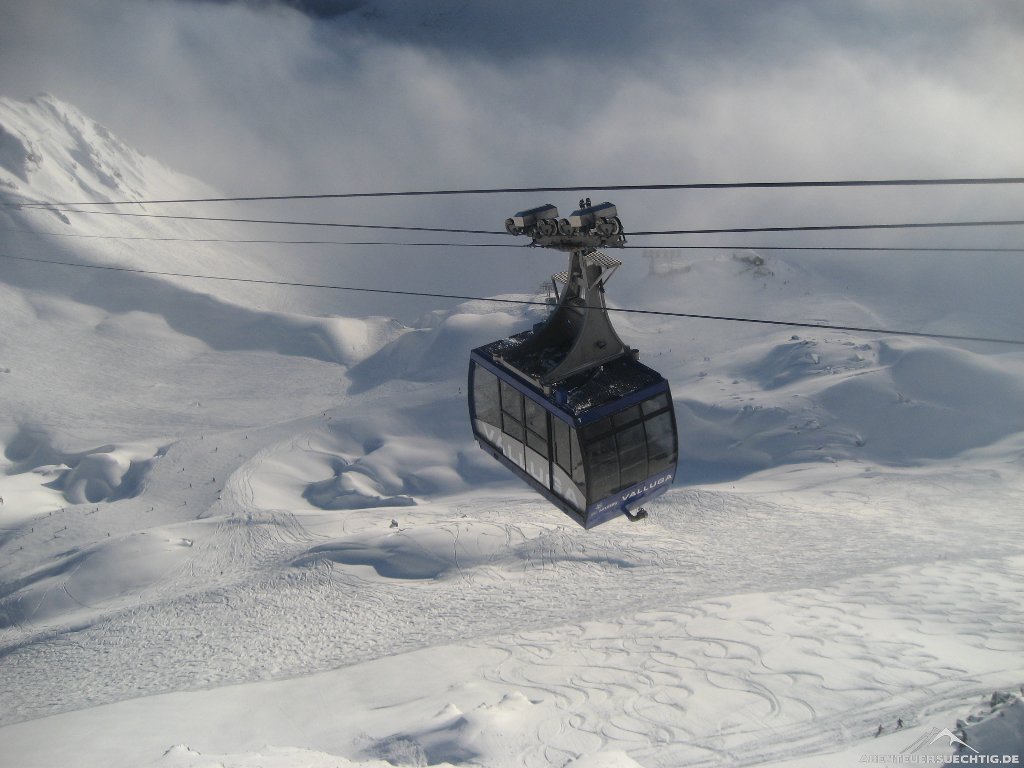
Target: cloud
column 303, row 96
column 317, row 9
column 385, row 91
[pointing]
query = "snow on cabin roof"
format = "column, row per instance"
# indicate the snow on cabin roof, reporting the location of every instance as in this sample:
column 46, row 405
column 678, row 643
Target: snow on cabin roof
column 590, row 389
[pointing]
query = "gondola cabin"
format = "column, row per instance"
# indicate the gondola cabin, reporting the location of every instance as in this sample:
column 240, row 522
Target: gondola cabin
column 567, row 406
column 597, row 445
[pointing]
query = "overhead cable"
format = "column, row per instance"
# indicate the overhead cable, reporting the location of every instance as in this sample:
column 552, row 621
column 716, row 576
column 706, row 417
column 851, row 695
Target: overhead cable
column 719, row 247
column 729, row 230
column 261, row 240
column 580, row 188
column 831, row 227
column 524, row 302
column 884, row 249
column 278, row 221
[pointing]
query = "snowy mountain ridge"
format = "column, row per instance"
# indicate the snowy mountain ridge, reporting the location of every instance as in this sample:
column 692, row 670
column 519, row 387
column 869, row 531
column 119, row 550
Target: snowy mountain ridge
column 50, row 151
column 228, row 525
column 54, row 153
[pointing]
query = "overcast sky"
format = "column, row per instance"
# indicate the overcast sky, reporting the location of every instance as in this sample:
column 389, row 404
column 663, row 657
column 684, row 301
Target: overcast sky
column 338, row 95
column 259, row 94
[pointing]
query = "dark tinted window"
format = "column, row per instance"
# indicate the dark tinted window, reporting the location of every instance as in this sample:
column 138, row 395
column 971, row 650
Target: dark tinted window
column 536, row 417
column 567, row 452
column 602, row 467
column 596, row 429
column 661, row 442
column 629, row 446
column 560, row 431
column 536, row 427
column 512, row 412
column 485, row 396
column 537, row 442
column 577, row 460
column 512, row 401
column 655, row 404
column 632, row 449
column 626, row 416
column 513, row 428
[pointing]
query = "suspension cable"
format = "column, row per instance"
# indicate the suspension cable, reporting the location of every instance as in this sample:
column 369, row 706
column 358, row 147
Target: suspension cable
column 719, row 247
column 588, row 188
column 261, row 240
column 279, row 221
column 831, row 227
column 730, row 230
column 524, row 302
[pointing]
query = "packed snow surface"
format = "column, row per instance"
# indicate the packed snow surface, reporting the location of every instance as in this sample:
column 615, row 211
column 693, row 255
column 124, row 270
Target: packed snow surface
column 239, row 533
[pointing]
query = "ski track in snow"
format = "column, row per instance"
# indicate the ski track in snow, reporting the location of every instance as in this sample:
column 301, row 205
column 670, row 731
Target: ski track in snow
column 715, row 683
column 236, row 610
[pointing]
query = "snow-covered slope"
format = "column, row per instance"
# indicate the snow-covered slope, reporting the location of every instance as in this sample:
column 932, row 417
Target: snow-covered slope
column 237, row 534
column 51, row 151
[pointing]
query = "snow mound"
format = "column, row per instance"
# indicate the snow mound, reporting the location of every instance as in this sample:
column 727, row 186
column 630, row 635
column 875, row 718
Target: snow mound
column 387, row 457
column 351, row 488
column 928, row 402
column 441, row 352
column 104, row 473
column 417, row 551
column 183, row 756
column 900, row 403
column 78, row 584
column 422, row 552
column 457, row 737
column 100, row 476
column 612, row 758
column 415, row 751
column 480, row 735
column 801, row 358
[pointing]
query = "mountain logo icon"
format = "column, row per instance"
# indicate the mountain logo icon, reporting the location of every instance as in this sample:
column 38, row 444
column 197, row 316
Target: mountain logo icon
column 953, row 739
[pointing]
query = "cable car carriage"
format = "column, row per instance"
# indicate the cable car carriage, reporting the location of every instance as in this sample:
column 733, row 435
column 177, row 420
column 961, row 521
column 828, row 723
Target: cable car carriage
column 567, row 405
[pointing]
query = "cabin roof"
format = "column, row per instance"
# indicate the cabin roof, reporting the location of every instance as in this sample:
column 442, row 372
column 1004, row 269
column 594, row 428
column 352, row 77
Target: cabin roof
column 589, row 390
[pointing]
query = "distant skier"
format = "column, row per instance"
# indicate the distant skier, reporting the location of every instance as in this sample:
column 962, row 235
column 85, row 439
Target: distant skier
column 879, row 731
column 899, row 723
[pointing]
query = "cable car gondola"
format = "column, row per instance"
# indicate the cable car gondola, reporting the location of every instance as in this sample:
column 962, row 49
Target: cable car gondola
column 567, row 405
